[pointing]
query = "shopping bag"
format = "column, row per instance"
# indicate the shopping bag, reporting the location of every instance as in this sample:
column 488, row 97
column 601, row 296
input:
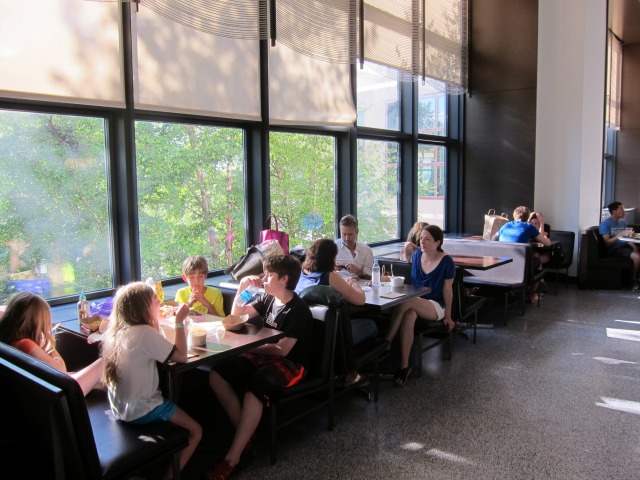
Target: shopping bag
column 269, row 234
column 492, row 224
column 269, row 248
column 250, row 263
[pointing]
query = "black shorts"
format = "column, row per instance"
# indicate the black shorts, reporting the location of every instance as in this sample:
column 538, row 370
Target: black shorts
column 624, row 252
column 263, row 375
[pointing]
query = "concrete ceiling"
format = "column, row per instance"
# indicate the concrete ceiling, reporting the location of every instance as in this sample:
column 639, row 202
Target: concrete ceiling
column 624, row 20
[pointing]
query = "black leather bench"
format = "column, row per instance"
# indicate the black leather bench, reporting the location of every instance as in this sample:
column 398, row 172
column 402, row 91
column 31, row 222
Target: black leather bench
column 46, row 417
column 597, row 270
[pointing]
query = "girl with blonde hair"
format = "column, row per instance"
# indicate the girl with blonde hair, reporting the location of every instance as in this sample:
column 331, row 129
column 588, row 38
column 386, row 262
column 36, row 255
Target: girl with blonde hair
column 26, row 325
column 131, row 347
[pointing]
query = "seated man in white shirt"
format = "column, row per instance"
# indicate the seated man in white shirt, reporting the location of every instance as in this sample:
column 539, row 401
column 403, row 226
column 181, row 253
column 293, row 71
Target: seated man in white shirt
column 353, row 256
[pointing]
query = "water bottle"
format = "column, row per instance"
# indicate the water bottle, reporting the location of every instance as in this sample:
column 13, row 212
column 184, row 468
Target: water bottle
column 247, row 295
column 375, row 274
column 84, row 311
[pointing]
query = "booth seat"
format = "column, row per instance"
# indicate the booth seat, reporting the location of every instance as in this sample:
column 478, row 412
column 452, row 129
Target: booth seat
column 597, row 270
column 68, row 436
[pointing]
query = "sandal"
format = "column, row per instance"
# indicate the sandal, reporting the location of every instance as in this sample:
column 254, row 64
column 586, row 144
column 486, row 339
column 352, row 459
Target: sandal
column 401, row 376
column 358, row 380
column 221, row 471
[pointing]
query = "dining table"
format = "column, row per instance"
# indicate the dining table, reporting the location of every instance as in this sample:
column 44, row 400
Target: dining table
column 467, row 262
column 386, row 296
column 220, row 345
column 634, row 239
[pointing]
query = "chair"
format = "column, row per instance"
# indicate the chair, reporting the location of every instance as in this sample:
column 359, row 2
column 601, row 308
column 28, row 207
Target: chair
column 465, row 305
column 80, row 440
column 598, row 270
column 437, row 331
column 355, row 357
column 567, row 241
column 325, row 304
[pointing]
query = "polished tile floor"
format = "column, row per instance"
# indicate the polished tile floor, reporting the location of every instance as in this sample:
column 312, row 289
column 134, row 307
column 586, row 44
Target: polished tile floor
column 554, row 394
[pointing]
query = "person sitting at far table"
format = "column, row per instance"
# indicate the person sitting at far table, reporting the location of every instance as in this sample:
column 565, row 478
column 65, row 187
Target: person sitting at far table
column 612, row 229
column 354, row 256
column 413, row 241
column 431, row 267
column 521, row 231
column 318, row 269
column 537, row 220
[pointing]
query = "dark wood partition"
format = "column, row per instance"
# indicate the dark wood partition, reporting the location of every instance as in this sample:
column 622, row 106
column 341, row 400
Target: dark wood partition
column 500, row 123
column 627, row 189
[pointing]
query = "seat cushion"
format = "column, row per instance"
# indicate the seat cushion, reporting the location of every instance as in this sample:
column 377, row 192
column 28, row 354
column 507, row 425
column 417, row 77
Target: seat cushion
column 123, row 447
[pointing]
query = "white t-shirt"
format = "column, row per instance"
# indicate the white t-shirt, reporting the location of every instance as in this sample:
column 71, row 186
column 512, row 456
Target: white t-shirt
column 137, row 393
column 363, row 256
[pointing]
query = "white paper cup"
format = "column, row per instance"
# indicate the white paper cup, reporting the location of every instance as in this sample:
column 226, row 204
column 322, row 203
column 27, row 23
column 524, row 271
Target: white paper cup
column 397, row 281
column 197, row 336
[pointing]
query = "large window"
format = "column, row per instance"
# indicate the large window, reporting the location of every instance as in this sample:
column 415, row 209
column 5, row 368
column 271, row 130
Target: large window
column 55, row 238
column 378, row 99
column 377, row 190
column 431, row 183
column 302, row 172
column 109, row 174
column 190, row 194
column 432, row 108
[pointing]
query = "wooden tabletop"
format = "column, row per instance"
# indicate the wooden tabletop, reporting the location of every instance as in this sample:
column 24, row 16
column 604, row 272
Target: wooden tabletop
column 468, row 262
column 222, row 344
column 385, row 296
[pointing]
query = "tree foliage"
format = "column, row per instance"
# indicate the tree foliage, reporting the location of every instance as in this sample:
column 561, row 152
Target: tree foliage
column 54, row 196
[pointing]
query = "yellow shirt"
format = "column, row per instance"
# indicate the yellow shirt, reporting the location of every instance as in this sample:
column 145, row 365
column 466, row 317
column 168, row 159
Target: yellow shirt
column 212, row 294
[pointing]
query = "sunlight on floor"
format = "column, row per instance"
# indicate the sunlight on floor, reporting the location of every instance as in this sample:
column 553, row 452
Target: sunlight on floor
column 620, row 405
column 629, row 321
column 412, row 446
column 434, row 452
column 612, row 361
column 623, row 334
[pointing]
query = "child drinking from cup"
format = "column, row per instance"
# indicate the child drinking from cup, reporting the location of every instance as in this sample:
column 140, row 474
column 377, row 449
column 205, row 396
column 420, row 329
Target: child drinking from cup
column 26, row 325
column 131, row 347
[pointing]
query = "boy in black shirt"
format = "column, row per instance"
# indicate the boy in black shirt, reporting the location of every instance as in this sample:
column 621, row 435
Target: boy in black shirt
column 270, row 367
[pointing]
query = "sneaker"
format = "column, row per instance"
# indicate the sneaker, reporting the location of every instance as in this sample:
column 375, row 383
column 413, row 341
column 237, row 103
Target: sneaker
column 221, row 471
column 636, row 287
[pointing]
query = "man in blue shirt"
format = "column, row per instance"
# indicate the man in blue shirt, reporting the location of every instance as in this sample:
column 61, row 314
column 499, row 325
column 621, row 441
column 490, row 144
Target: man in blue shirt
column 521, row 231
column 614, row 227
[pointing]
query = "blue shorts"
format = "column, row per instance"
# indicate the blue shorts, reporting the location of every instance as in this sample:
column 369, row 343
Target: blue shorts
column 162, row 413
